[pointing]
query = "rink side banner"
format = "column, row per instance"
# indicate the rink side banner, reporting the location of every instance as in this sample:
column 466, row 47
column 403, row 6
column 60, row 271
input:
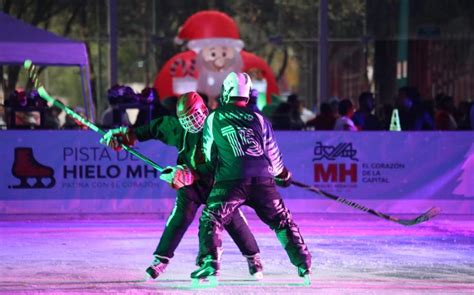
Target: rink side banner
column 72, row 167
column 383, row 165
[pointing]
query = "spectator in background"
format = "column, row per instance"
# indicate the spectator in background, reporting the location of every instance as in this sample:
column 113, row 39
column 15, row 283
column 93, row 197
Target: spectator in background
column 253, row 97
column 287, row 115
column 107, row 118
column 412, row 111
column 404, row 104
column 384, row 113
column 444, row 119
column 296, row 111
column 334, row 104
column 118, row 95
column 27, row 110
column 270, row 109
column 51, row 117
column 363, row 118
column 3, row 123
column 157, row 111
column 73, row 124
column 346, row 111
column 426, row 115
column 326, row 120
column 280, row 118
column 304, row 113
column 462, row 116
column 439, row 98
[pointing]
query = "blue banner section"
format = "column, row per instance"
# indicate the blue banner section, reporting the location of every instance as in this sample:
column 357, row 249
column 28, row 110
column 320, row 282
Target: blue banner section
column 70, row 170
column 382, row 165
column 73, row 165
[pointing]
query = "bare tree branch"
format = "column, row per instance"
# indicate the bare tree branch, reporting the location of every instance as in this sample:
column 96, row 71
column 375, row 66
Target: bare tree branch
column 284, row 63
column 75, row 11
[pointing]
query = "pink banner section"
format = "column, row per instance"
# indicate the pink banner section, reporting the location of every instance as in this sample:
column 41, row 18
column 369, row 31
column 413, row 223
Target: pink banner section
column 399, row 172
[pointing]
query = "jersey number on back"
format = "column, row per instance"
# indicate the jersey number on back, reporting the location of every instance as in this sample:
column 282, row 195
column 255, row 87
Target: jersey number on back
column 242, row 141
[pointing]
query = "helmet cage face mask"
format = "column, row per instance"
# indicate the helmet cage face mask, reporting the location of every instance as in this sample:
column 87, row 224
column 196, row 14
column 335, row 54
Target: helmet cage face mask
column 193, row 122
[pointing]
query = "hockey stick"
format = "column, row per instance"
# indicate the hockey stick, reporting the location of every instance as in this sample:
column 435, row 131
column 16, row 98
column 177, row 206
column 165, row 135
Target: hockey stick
column 407, row 222
column 33, row 75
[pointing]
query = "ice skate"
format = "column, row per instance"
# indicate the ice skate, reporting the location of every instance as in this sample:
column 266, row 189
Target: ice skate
column 305, row 273
column 157, row 267
column 255, row 266
column 25, row 166
column 206, row 275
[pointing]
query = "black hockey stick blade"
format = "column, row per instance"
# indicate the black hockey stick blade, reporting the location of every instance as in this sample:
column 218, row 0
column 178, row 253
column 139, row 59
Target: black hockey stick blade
column 407, row 222
column 422, row 218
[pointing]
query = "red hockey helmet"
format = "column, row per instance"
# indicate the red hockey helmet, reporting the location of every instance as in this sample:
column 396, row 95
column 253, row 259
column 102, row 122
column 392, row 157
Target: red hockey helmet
column 191, row 111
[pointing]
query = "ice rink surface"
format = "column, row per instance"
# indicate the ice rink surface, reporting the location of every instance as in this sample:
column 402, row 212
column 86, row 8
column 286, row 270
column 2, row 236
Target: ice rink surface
column 352, row 254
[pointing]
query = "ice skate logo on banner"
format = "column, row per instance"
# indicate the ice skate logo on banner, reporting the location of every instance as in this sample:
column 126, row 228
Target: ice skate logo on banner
column 330, row 152
column 31, row 173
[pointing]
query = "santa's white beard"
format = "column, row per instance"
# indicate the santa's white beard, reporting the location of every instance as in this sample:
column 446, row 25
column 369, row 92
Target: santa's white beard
column 209, row 81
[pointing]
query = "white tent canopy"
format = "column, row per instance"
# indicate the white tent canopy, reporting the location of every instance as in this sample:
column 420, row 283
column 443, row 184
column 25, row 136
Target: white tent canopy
column 20, row 41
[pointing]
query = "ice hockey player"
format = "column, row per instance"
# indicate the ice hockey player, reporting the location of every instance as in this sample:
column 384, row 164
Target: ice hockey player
column 249, row 164
column 192, row 178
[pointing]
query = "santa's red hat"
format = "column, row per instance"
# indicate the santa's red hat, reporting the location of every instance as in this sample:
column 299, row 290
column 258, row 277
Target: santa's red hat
column 209, row 28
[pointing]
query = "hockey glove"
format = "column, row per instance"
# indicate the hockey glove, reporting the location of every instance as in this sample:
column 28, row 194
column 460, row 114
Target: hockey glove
column 114, row 138
column 178, row 176
column 284, row 178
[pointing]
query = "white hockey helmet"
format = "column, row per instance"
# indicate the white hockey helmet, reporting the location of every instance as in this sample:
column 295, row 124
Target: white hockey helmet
column 191, row 111
column 236, row 87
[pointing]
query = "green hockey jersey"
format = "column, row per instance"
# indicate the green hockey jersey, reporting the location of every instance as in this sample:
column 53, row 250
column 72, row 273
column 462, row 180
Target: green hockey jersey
column 168, row 130
column 243, row 143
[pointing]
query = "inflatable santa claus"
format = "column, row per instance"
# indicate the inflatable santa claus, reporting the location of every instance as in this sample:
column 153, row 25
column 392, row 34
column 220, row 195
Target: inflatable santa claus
column 215, row 50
